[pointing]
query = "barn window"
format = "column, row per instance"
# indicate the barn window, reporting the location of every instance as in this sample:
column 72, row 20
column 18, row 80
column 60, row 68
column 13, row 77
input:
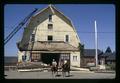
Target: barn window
column 50, row 18
column 33, row 37
column 74, row 58
column 67, row 38
column 50, row 38
column 65, row 56
column 50, row 26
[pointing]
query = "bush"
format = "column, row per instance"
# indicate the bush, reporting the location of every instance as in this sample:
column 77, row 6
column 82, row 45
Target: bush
column 93, row 68
column 110, row 66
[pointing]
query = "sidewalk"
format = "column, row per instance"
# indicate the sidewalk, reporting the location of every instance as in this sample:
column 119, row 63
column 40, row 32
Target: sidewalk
column 82, row 71
column 105, row 71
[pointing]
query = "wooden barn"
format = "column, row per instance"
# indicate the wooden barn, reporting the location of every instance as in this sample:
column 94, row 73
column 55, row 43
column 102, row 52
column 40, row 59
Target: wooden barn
column 49, row 35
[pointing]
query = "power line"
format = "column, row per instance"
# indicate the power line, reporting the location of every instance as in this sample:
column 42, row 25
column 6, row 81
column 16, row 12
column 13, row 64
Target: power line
column 71, row 31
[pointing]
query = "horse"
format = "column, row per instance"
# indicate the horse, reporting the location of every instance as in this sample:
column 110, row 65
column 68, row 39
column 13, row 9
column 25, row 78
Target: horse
column 54, row 69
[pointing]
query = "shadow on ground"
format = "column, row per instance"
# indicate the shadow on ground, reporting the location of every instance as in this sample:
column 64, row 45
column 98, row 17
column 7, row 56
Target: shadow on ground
column 65, row 76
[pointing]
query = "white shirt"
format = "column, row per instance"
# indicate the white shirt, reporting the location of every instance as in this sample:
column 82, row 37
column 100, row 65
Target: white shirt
column 54, row 63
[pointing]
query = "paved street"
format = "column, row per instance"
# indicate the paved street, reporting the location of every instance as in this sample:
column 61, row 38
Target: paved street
column 48, row 75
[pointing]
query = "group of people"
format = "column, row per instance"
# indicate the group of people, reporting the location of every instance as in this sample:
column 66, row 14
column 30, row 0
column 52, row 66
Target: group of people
column 64, row 65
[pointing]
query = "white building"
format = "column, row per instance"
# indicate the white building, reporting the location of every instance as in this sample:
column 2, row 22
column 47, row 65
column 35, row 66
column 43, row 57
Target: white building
column 50, row 35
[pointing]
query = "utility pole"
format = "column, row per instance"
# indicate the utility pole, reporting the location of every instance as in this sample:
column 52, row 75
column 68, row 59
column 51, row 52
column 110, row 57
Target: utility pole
column 96, row 45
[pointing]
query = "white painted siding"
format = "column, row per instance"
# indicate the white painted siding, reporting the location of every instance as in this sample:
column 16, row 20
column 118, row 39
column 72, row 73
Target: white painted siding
column 73, row 62
column 60, row 29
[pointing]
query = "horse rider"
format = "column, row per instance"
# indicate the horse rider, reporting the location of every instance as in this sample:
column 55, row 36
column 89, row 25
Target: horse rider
column 66, row 67
column 54, row 63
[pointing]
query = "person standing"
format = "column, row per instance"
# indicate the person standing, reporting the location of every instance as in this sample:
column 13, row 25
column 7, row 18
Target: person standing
column 54, row 67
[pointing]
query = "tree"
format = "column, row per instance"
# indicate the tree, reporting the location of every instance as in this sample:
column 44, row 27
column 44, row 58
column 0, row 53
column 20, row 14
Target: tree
column 81, row 48
column 108, row 50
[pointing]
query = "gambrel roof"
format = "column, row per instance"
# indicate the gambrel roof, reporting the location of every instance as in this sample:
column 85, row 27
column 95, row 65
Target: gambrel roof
column 56, row 12
column 43, row 13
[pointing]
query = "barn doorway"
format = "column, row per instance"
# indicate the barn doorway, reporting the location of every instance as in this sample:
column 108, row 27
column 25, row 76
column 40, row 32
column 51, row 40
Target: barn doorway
column 48, row 57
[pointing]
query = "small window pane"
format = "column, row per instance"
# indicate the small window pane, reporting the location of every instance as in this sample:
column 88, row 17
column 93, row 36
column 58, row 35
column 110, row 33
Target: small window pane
column 33, row 37
column 50, row 18
column 50, row 26
column 67, row 38
column 50, row 38
column 74, row 58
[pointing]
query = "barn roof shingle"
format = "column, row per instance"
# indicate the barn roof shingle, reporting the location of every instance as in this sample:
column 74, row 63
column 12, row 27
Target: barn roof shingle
column 91, row 52
column 49, row 46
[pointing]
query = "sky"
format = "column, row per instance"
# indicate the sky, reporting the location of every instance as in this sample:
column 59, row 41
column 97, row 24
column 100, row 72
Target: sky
column 82, row 16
